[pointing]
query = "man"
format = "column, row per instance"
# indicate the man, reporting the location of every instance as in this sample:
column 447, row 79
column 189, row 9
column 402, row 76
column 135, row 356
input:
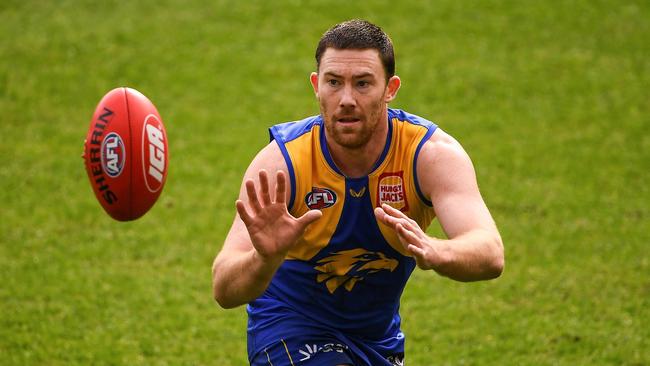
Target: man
column 331, row 216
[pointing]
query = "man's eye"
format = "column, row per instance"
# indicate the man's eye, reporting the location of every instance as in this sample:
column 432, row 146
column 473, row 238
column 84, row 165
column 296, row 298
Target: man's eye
column 333, row 82
column 363, row 83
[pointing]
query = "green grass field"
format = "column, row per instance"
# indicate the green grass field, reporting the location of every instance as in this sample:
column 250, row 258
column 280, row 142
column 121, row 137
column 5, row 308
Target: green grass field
column 550, row 99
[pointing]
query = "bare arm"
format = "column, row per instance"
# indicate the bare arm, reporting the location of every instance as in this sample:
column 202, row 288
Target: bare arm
column 262, row 233
column 473, row 250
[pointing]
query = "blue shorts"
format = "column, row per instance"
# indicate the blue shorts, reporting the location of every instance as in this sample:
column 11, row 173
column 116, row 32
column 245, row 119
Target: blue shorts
column 281, row 336
column 318, row 351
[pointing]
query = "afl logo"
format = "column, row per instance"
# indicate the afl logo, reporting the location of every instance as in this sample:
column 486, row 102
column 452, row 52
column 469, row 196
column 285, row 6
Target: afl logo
column 320, row 198
column 113, row 154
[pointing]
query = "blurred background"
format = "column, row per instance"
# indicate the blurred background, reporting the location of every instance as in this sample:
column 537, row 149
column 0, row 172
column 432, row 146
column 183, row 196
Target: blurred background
column 550, row 99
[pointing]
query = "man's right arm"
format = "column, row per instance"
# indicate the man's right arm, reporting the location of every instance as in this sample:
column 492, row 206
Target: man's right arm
column 239, row 273
column 262, row 233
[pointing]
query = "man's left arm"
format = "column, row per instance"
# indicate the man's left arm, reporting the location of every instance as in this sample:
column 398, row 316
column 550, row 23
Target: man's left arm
column 473, row 250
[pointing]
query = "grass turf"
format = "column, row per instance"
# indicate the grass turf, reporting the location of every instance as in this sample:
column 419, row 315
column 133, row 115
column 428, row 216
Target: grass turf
column 549, row 99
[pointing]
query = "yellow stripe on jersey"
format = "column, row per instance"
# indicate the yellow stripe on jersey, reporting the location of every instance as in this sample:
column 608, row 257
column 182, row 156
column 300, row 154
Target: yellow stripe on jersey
column 313, row 173
column 393, row 182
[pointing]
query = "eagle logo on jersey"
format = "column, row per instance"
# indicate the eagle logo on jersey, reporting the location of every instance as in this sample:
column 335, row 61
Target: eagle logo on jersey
column 347, row 267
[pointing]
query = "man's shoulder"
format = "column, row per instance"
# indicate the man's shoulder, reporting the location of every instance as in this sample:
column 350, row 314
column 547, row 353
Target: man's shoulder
column 442, row 146
column 414, row 119
column 441, row 159
column 288, row 131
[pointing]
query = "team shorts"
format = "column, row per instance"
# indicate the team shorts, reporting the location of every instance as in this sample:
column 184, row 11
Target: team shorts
column 317, row 351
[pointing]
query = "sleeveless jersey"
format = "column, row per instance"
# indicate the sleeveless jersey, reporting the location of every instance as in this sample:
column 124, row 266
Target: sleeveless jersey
column 347, row 272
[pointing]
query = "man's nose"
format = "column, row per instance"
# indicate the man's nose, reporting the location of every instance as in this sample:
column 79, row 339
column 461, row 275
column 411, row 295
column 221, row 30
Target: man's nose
column 348, row 99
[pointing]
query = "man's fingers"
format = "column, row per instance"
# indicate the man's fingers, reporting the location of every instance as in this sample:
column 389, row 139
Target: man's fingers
column 417, row 252
column 414, row 229
column 399, row 229
column 408, row 236
column 397, row 218
column 264, row 187
column 309, row 217
column 252, row 196
column 241, row 209
column 391, row 210
column 280, row 187
column 396, row 213
column 385, row 218
column 408, row 232
column 411, row 243
column 379, row 214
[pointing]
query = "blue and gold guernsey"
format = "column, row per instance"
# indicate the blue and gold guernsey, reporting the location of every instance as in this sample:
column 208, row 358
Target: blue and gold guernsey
column 345, row 276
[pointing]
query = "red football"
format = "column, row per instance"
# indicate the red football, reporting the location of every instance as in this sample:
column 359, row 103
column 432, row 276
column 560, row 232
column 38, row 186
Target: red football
column 126, row 154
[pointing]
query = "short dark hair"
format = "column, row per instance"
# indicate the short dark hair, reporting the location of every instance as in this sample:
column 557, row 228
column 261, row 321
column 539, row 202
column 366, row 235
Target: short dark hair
column 360, row 35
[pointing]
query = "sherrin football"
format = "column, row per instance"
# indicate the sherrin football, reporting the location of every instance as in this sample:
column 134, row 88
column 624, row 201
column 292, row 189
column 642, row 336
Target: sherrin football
column 126, row 154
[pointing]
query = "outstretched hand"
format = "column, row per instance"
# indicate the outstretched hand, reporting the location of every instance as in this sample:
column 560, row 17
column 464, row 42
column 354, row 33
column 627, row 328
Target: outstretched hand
column 425, row 249
column 272, row 229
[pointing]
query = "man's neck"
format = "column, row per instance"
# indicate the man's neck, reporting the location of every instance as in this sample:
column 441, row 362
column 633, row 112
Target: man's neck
column 358, row 162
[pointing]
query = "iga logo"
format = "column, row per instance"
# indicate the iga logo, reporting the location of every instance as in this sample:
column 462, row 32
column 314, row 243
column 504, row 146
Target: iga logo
column 320, row 198
column 154, row 162
column 113, row 154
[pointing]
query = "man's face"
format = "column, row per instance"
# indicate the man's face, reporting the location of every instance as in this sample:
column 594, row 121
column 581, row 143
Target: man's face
column 353, row 93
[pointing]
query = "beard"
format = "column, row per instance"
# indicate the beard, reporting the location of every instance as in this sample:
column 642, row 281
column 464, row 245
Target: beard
column 358, row 134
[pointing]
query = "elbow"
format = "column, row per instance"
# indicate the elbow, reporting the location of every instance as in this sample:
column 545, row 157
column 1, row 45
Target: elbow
column 498, row 262
column 219, row 292
column 220, row 296
column 227, row 300
column 496, row 268
column 223, row 301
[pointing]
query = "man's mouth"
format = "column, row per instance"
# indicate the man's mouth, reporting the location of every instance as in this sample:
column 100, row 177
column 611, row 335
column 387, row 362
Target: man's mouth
column 348, row 119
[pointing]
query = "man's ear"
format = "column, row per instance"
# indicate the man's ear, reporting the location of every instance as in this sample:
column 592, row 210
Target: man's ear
column 391, row 89
column 313, row 78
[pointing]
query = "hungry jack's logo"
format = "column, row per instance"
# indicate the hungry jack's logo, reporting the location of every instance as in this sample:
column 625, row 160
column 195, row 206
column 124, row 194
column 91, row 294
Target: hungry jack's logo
column 347, row 267
column 391, row 191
